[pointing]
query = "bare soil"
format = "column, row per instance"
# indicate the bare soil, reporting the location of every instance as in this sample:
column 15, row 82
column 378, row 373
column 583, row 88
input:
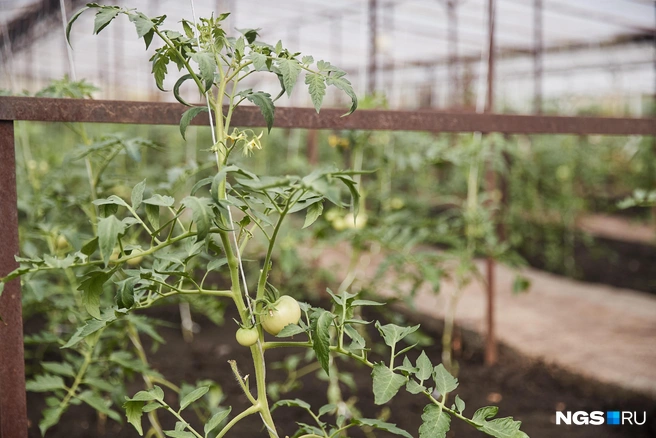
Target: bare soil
column 529, row 390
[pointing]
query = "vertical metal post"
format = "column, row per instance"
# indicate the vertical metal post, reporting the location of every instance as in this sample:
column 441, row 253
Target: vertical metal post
column 537, row 56
column 373, row 67
column 390, row 66
column 490, row 180
column 452, row 29
column 13, row 404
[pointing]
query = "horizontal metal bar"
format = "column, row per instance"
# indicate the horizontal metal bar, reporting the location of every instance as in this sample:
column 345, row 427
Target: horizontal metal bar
column 158, row 113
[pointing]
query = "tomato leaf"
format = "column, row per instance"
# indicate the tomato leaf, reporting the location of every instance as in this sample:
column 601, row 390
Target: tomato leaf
column 386, row 383
column 321, row 338
column 378, row 424
column 444, row 381
column 202, row 214
column 188, row 116
column 133, row 411
column 109, row 228
column 104, row 16
column 317, row 87
column 193, row 396
column 313, row 213
column 216, row 420
column 436, row 422
column 290, row 68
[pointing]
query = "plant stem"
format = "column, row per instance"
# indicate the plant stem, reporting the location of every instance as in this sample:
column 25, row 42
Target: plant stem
column 141, row 353
column 251, row 410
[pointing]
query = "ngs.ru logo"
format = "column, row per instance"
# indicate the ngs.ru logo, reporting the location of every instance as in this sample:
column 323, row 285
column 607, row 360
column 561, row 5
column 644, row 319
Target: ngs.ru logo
column 597, row 418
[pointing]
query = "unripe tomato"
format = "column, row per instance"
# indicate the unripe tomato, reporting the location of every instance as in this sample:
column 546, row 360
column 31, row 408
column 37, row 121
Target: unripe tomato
column 339, row 224
column 247, row 336
column 358, row 224
column 135, row 261
column 61, row 242
column 283, row 312
column 115, row 254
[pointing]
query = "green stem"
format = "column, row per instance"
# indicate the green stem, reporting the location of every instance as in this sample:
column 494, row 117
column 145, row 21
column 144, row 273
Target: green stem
column 251, row 410
column 141, row 353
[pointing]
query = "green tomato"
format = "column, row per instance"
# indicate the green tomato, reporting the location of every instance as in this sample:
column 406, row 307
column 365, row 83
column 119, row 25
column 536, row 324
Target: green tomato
column 135, row 260
column 61, row 242
column 283, row 312
column 247, row 336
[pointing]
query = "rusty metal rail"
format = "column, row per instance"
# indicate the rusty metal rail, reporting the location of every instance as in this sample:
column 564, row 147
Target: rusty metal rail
column 103, row 111
column 13, row 410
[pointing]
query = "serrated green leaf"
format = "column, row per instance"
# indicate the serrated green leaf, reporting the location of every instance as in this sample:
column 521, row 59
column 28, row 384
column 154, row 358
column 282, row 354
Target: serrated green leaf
column 155, row 393
column 293, row 403
column 50, row 418
column 321, row 338
column 133, row 412
column 160, row 200
column 109, row 228
column 188, row 116
column 202, row 214
column 207, row 66
column 137, row 194
column 378, row 424
column 264, row 102
column 99, row 404
column 70, row 24
column 193, row 396
column 63, row 369
column 393, row 333
column 436, row 422
column 290, row 330
column 325, row 409
column 176, row 88
column 92, row 288
column 317, row 87
column 313, row 213
column 386, row 383
column 482, row 414
column 502, row 428
column 290, row 68
column 344, row 85
column 444, row 381
column 357, row 303
column 45, row 383
column 424, row 366
column 414, row 388
column 88, row 329
column 160, row 61
column 216, row 420
column 152, row 213
column 103, row 17
column 259, row 61
column 142, row 23
column 460, row 404
column 179, row 434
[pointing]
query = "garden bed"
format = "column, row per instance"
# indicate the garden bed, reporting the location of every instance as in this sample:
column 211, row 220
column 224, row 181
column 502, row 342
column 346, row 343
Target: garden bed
column 529, row 390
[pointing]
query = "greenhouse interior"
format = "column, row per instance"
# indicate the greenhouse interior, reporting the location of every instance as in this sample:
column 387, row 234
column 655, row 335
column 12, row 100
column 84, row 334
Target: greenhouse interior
column 326, row 219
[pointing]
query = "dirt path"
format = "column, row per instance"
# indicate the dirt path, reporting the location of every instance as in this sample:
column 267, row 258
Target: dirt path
column 596, row 331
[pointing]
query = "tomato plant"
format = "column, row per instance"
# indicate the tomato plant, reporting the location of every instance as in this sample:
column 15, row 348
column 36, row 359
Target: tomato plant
column 178, row 244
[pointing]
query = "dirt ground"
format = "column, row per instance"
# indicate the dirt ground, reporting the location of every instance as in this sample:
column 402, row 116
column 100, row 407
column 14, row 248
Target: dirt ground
column 526, row 388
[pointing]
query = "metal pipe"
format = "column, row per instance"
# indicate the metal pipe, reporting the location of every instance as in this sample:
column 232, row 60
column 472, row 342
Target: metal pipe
column 491, row 355
column 13, row 403
column 537, row 56
column 162, row 113
column 373, row 67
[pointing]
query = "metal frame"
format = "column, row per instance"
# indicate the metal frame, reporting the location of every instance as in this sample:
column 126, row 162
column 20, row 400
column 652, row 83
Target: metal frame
column 13, row 409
